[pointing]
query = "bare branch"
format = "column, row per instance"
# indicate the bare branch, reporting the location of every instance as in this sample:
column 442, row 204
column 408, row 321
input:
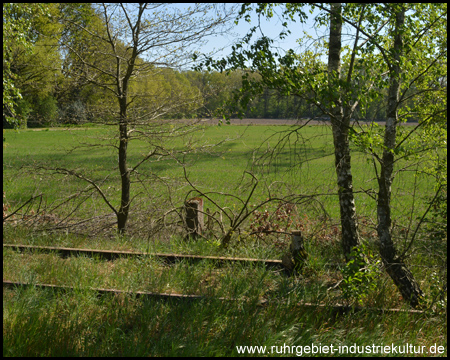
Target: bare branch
column 23, row 205
column 82, row 177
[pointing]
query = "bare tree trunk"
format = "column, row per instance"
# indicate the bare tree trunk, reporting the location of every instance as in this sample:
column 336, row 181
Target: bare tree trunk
column 122, row 214
column 122, row 90
column 133, row 42
column 340, row 125
column 395, row 267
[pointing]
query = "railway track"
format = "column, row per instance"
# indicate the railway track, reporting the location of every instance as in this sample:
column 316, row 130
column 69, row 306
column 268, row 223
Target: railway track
column 172, row 258
column 339, row 309
column 168, row 258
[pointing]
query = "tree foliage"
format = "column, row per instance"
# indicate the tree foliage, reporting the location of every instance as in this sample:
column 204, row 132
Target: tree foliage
column 398, row 58
column 19, row 37
column 43, row 72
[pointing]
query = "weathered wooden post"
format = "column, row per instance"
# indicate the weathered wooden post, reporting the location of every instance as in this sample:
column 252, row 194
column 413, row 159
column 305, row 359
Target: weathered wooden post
column 194, row 217
column 295, row 258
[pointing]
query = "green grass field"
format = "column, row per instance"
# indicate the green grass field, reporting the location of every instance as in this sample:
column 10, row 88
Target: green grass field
column 305, row 166
column 51, row 323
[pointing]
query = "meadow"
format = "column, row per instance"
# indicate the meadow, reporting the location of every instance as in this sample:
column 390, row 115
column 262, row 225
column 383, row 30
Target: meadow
column 304, row 165
column 78, row 323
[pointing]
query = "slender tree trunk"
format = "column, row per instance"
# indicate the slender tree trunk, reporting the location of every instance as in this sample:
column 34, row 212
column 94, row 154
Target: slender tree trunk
column 122, row 214
column 340, row 125
column 122, row 89
column 395, row 267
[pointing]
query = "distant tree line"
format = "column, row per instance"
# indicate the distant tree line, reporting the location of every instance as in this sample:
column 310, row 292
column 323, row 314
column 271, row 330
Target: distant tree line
column 46, row 92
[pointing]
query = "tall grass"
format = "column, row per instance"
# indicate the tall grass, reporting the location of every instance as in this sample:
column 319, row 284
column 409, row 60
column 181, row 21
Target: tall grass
column 51, row 323
column 78, row 323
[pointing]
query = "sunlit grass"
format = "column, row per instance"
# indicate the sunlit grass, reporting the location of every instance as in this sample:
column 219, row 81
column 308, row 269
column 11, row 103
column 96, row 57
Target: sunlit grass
column 78, row 323
column 304, row 166
column 49, row 323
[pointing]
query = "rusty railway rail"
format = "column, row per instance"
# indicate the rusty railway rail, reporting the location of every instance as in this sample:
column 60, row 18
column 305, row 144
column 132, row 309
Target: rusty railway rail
column 173, row 258
column 337, row 308
column 100, row 291
column 168, row 258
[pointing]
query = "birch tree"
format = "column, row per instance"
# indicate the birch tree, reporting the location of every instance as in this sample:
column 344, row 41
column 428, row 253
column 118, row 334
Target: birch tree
column 391, row 50
column 17, row 26
column 411, row 56
column 340, row 123
column 400, row 84
column 305, row 77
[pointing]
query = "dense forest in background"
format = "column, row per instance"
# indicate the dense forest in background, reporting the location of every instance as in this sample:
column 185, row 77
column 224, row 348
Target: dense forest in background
column 51, row 93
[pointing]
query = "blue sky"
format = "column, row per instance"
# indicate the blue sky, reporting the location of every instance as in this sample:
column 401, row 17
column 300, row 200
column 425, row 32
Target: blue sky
column 221, row 44
column 270, row 28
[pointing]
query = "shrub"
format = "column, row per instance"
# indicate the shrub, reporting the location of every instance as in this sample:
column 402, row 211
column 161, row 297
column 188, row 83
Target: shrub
column 360, row 275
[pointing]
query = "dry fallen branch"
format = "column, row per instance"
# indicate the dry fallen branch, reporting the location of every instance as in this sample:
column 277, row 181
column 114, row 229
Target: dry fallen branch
column 23, row 205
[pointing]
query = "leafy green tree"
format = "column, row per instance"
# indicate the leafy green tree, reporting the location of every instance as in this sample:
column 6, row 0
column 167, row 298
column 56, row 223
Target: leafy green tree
column 395, row 49
column 305, row 76
column 17, row 32
column 215, row 88
column 410, row 58
column 77, row 98
column 413, row 63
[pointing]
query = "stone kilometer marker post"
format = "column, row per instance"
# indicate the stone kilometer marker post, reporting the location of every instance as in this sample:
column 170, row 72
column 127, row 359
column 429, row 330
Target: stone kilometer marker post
column 295, row 258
